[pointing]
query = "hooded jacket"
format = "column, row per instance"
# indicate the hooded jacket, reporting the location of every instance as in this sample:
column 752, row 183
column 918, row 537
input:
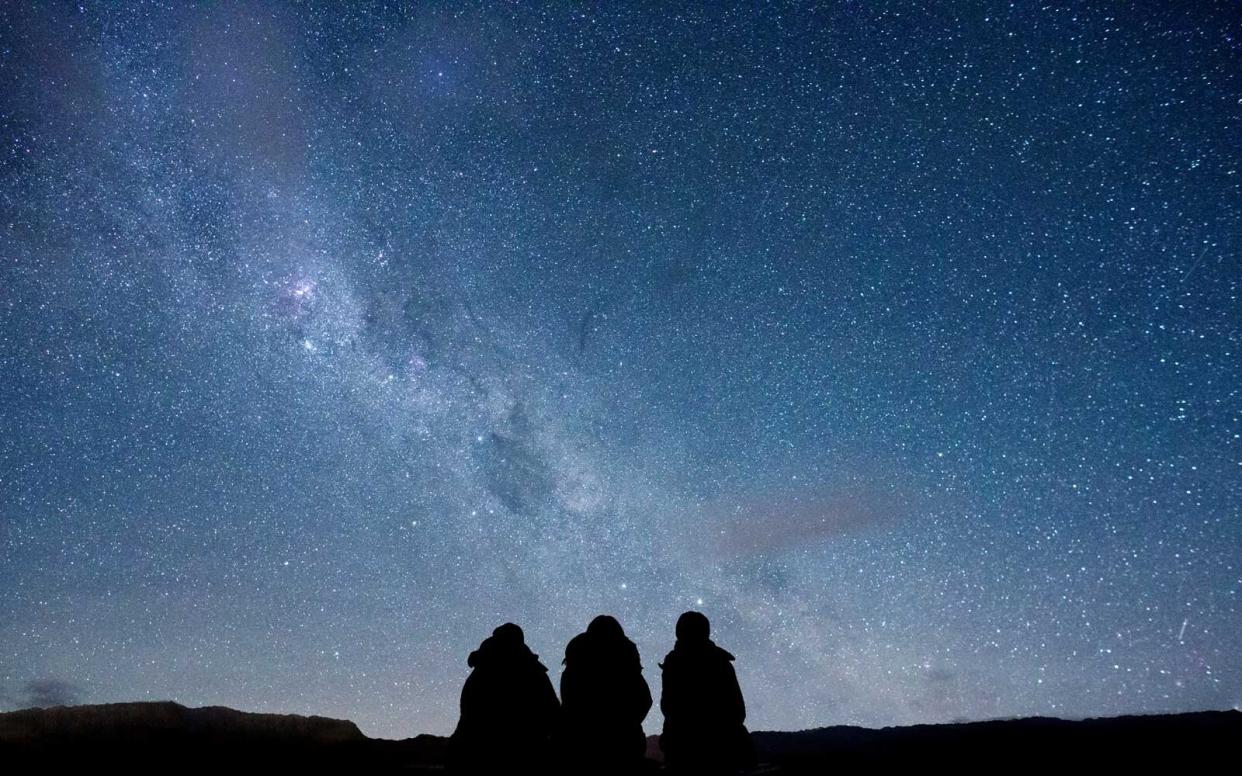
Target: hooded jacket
column 508, row 706
column 704, row 712
column 605, row 699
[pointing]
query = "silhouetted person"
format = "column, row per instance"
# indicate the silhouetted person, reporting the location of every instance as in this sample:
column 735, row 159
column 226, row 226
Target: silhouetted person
column 702, row 704
column 604, row 700
column 508, row 708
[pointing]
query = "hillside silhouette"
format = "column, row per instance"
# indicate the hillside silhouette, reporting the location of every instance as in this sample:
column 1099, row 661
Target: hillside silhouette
column 167, row 737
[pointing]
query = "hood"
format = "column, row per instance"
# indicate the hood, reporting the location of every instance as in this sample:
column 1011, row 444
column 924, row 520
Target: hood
column 698, row 650
column 492, row 652
column 586, row 649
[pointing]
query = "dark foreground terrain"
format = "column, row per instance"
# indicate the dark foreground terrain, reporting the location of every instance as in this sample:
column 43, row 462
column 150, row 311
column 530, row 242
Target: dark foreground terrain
column 170, row 738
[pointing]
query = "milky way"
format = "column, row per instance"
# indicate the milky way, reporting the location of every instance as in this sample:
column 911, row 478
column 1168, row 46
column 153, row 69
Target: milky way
column 903, row 343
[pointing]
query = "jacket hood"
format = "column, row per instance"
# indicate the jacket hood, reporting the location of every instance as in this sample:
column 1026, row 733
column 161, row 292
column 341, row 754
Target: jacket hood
column 494, row 652
column 705, row 648
column 587, row 648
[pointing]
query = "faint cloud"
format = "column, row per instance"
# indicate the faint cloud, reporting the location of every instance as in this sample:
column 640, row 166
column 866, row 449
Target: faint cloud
column 50, row 692
column 774, row 522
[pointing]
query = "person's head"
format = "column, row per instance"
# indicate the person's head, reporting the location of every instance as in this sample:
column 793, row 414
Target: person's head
column 508, row 635
column 693, row 626
column 606, row 627
column 506, row 641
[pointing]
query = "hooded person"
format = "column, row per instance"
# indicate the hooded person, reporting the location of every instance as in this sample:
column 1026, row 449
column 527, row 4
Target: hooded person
column 704, row 714
column 509, row 709
column 604, row 700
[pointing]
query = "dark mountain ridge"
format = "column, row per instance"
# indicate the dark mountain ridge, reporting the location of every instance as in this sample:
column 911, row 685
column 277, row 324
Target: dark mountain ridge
column 163, row 736
column 167, row 737
column 154, row 720
column 1188, row 740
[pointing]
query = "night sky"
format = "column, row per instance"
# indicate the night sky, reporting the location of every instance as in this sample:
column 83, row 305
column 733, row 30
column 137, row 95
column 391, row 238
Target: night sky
column 906, row 344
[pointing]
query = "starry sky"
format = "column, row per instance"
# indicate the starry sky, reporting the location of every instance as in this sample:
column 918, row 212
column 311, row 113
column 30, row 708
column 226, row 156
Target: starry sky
column 903, row 342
